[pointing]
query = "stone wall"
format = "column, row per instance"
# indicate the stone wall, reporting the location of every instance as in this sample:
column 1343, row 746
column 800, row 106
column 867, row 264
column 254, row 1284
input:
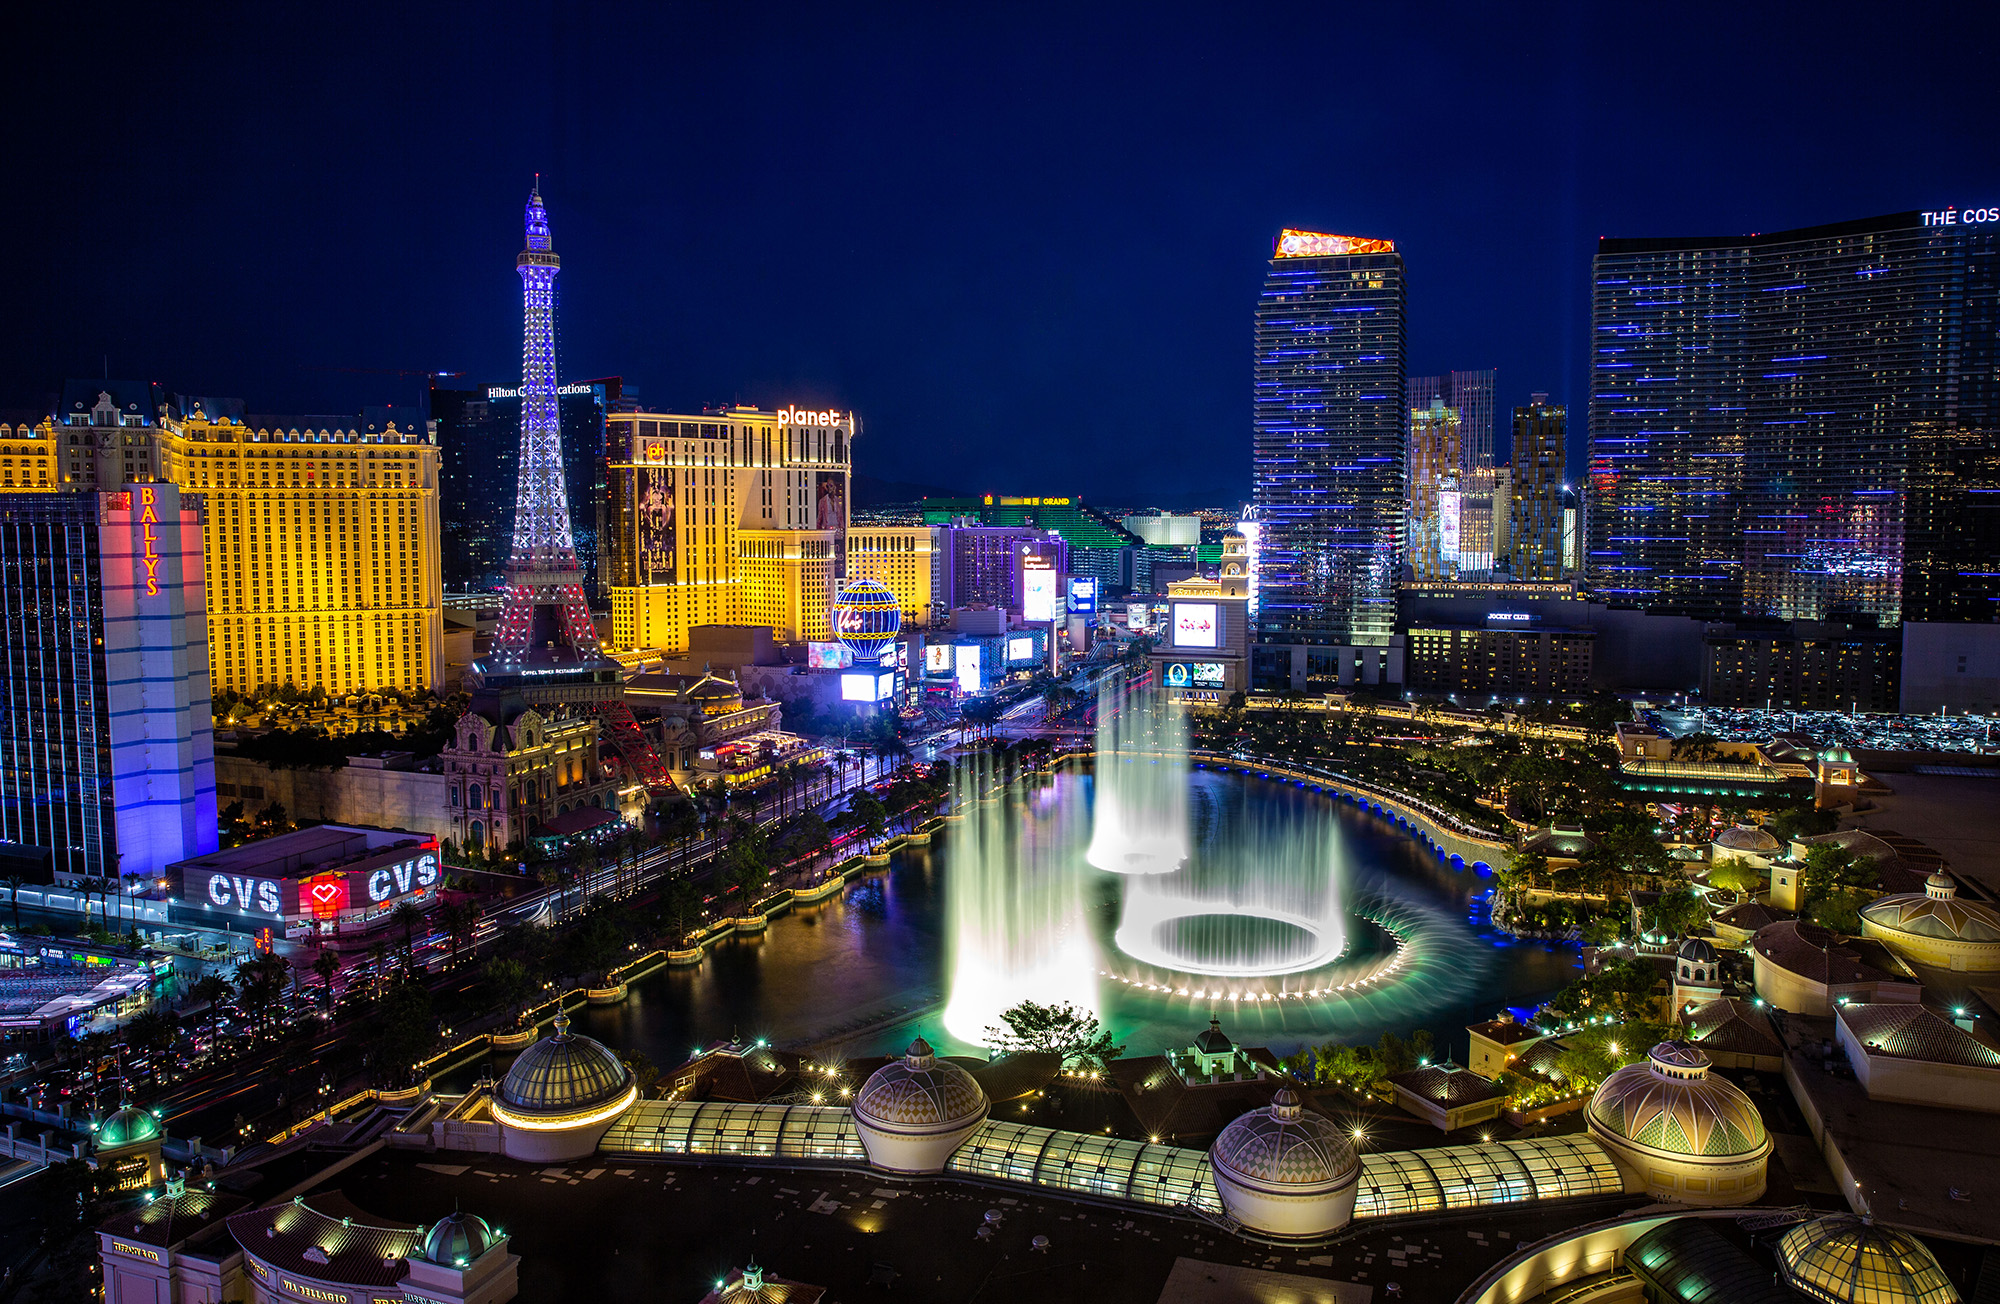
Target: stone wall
column 355, row 794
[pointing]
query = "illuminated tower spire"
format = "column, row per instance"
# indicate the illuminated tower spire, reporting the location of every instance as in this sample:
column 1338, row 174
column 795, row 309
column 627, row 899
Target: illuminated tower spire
column 544, row 618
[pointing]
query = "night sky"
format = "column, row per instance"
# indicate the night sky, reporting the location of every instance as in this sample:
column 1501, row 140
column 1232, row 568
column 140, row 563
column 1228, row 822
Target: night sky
column 1024, row 243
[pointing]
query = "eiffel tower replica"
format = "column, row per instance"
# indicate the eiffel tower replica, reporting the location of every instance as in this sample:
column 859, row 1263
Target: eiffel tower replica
column 545, row 649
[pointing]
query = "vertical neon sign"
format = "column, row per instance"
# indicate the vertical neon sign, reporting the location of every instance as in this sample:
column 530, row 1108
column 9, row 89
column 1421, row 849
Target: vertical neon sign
column 148, row 518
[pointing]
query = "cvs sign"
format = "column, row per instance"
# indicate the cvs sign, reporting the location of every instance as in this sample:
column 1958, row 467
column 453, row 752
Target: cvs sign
column 403, row 877
column 255, row 894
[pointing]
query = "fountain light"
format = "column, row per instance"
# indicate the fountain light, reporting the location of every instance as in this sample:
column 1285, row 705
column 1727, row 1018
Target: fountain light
column 1139, row 823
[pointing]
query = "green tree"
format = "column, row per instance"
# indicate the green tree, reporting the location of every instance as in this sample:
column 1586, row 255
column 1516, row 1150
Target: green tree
column 1678, row 913
column 1063, row 1029
column 402, row 1029
column 1736, row 875
column 680, row 909
column 509, row 982
column 1697, row 748
column 1831, row 869
column 644, row 1072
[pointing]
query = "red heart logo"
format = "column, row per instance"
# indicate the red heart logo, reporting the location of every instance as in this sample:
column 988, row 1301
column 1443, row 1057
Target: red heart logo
column 325, row 892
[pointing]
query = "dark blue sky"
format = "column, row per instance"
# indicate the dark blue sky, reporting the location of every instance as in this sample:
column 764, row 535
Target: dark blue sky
column 1023, row 242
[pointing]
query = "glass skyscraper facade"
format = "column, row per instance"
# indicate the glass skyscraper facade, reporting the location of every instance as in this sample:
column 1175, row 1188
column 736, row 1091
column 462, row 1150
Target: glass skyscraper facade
column 107, row 755
column 1329, row 443
column 1470, row 394
column 479, row 452
column 1798, row 425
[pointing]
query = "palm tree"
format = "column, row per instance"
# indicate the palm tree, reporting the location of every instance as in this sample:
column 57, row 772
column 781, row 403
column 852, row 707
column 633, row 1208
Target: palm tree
column 326, row 966
column 14, row 885
column 458, row 919
column 408, row 916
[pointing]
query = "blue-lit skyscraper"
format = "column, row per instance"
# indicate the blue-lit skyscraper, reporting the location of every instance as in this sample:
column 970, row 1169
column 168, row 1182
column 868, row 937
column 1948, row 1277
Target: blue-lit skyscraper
column 1331, row 432
column 1799, row 425
column 107, row 755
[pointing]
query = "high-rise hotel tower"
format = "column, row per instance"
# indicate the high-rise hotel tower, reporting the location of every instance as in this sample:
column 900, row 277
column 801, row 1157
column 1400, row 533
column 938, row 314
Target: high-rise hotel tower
column 1328, row 449
column 1802, row 424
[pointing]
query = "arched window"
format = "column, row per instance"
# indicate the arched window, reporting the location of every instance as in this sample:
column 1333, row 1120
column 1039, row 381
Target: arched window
column 476, row 799
column 454, row 799
column 478, row 838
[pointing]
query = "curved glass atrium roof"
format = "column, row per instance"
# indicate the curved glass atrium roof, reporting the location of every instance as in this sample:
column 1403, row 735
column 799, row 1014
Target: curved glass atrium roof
column 1392, row 1184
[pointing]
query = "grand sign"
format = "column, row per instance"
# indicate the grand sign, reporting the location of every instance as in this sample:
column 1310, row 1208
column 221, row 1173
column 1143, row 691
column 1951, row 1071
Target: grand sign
column 1312, row 244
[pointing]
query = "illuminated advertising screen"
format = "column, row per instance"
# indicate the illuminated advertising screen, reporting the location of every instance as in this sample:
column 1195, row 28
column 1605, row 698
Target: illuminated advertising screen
column 830, row 513
column 1448, row 514
column 1197, row 624
column 937, row 658
column 653, row 530
column 967, row 662
column 857, row 686
column 828, row 656
column 1020, row 648
column 885, row 685
column 1139, row 616
column 1194, row 674
column 1083, row 596
column 1038, row 591
column 324, row 895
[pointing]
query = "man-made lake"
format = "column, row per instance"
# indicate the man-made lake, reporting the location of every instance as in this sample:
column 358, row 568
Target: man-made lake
column 859, row 974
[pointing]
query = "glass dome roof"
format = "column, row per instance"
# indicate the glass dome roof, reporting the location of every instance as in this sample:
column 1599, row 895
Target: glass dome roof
column 1283, row 1145
column 128, row 1127
column 1671, row 1105
column 1843, row 1259
column 919, row 1090
column 458, row 1239
column 563, row 1074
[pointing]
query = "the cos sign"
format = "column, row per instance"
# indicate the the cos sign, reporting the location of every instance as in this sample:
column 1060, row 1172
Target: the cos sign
column 395, row 880
column 1962, row 217
column 259, row 894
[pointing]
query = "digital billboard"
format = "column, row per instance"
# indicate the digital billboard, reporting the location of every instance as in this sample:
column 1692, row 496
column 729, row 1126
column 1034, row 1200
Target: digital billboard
column 1139, row 616
column 654, row 531
column 828, row 656
column 1083, row 596
column 857, row 686
column 1195, row 674
column 1197, row 624
column 1020, row 648
column 885, row 685
column 1038, row 590
column 1449, row 508
column 966, row 661
column 937, row 658
column 830, row 513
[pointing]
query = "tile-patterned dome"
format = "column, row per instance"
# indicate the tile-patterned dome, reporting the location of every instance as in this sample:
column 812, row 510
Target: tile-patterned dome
column 1284, row 1145
column 1852, row 1261
column 563, row 1074
column 458, row 1239
column 1936, row 912
column 1671, row 1105
column 919, row 1091
column 128, row 1127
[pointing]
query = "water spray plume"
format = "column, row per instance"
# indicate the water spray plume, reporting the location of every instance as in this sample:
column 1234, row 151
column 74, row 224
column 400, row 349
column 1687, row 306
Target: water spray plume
column 1140, row 825
column 1264, row 900
column 1015, row 901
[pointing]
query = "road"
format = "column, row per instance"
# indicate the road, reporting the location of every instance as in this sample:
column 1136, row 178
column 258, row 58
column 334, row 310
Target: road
column 207, row 1103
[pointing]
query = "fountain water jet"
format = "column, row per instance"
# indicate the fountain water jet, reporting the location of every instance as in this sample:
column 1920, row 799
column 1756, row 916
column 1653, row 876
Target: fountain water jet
column 1140, row 824
column 1015, row 901
column 1261, row 902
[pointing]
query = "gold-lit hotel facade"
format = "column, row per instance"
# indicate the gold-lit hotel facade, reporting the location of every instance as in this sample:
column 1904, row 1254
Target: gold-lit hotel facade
column 740, row 517
column 321, row 542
